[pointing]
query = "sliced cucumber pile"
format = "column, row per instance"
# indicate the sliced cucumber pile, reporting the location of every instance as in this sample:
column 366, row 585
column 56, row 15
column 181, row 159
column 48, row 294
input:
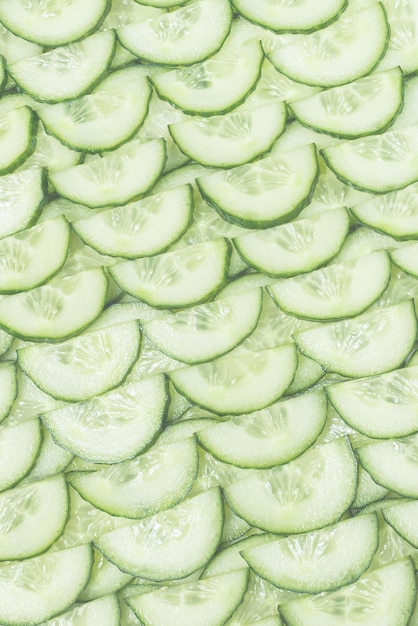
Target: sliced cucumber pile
column 208, row 313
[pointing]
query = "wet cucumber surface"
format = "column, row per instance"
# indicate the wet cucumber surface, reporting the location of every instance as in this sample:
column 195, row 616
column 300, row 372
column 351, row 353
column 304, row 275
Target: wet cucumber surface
column 208, row 313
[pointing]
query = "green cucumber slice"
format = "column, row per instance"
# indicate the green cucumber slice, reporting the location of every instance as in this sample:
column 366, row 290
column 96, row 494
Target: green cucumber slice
column 52, row 459
column 238, row 384
column 380, row 407
column 264, row 193
column 150, row 483
column 208, row 602
column 83, row 366
column 14, row 48
column 393, row 464
column 112, row 427
column 8, row 386
column 19, row 449
column 115, row 178
column 53, row 311
column 406, row 258
column 176, row 279
column 32, row 256
column 21, row 197
column 17, row 137
column 34, row 590
column 344, row 51
column 305, row 494
column 216, row 85
column 287, row 17
column 338, row 291
column 233, row 138
column 363, row 107
column 52, row 23
column 106, row 117
column 402, row 517
column 207, row 331
column 32, row 517
column 377, row 163
column 131, row 231
column 390, row 603
column 66, row 72
column 105, row 578
column 180, row 36
column 321, row 560
column 269, row 437
column 403, row 43
column 104, row 611
column 300, row 246
column 171, row 544
column 392, row 213
column 371, row 343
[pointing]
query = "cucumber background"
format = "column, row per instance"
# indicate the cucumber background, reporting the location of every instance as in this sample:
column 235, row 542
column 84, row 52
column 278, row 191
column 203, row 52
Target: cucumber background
column 199, row 91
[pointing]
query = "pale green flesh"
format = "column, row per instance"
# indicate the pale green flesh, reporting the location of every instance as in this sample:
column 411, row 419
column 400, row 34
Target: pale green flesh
column 350, row 110
column 266, row 192
column 19, row 449
column 16, row 137
column 106, row 117
column 33, row 255
column 180, row 36
column 66, row 72
column 332, row 55
column 131, row 231
column 105, row 611
column 390, row 604
column 115, row 426
column 8, row 388
column 380, row 406
column 21, row 196
column 54, row 24
column 84, row 366
column 150, row 483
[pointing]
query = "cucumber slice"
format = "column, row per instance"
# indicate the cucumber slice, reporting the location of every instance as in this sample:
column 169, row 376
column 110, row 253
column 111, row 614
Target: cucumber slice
column 402, row 517
column 269, row 437
column 171, row 544
column 52, row 23
column 390, row 603
column 34, row 590
column 208, row 602
column 52, row 459
column 305, row 494
column 105, row 611
column 66, row 72
column 21, row 197
column 403, row 43
column 371, row 343
column 105, row 118
column 380, row 407
column 216, row 85
column 19, row 449
column 337, row 291
column 143, row 228
column 181, row 36
column 287, row 17
column 238, row 384
column 32, row 256
column 32, row 517
column 393, row 464
column 366, row 106
column 378, row 163
column 207, row 331
column 392, row 213
column 150, row 483
column 233, row 138
column 52, row 311
column 176, row 279
column 14, row 48
column 105, row 579
column 116, row 178
column 8, row 387
column 17, row 137
column 300, row 246
column 406, row 259
column 264, row 193
column 344, row 51
column 321, row 560
column 112, row 427
column 83, row 366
